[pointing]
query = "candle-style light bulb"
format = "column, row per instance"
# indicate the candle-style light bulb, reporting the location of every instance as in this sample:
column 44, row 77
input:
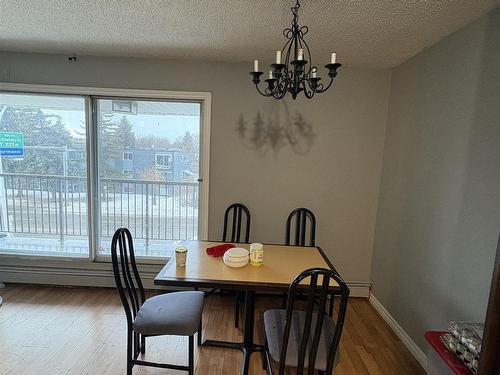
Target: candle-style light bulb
column 271, row 74
column 314, row 74
column 334, row 58
column 301, row 54
column 256, row 65
column 278, row 57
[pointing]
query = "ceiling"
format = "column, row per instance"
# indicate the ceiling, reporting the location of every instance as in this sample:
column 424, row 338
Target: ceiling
column 375, row 33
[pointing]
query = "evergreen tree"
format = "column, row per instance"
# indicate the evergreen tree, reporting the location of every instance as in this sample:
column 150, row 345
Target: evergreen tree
column 190, row 146
column 44, row 139
column 108, row 149
column 124, row 134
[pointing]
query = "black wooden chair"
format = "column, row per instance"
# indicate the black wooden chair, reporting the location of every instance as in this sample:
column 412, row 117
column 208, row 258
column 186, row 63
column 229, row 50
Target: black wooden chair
column 299, row 224
column 307, row 337
column 300, row 217
column 237, row 213
column 177, row 313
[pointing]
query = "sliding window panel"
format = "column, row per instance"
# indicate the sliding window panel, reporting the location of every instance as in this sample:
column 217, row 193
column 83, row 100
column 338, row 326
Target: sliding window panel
column 148, row 158
column 43, row 175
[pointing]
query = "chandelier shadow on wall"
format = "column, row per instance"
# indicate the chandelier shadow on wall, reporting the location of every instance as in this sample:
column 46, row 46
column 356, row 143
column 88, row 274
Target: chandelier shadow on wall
column 296, row 73
column 271, row 130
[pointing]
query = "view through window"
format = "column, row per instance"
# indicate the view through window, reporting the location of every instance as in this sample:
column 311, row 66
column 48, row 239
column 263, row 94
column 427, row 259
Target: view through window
column 43, row 175
column 147, row 173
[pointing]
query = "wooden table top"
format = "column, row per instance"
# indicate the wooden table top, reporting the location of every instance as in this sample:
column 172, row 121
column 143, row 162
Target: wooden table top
column 281, row 264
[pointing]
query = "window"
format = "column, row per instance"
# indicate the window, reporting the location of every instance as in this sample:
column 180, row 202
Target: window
column 43, row 175
column 164, row 160
column 156, row 208
column 67, row 181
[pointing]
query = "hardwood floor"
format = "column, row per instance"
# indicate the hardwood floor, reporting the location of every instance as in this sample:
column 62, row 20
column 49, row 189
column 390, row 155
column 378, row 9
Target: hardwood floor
column 47, row 330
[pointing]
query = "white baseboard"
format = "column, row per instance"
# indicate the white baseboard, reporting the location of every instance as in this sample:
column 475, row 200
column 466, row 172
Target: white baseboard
column 407, row 341
column 358, row 289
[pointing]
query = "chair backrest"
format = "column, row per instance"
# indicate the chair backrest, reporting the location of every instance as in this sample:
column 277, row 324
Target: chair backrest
column 127, row 279
column 301, row 216
column 315, row 291
column 236, row 212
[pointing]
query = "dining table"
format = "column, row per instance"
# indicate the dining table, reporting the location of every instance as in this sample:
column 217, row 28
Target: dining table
column 280, row 266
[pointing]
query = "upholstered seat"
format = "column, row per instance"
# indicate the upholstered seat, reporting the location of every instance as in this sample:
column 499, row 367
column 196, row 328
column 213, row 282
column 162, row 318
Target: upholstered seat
column 177, row 314
column 274, row 325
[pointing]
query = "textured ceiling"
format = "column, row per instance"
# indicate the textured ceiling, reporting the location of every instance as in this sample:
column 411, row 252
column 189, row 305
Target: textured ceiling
column 363, row 32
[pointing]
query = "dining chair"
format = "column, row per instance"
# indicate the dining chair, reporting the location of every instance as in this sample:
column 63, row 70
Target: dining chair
column 176, row 313
column 300, row 217
column 303, row 336
column 236, row 213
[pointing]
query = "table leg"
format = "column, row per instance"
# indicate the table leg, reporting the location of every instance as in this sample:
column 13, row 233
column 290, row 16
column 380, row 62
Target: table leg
column 249, row 318
column 247, row 347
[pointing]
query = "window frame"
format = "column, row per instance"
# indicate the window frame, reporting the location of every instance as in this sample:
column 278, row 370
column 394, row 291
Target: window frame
column 91, row 94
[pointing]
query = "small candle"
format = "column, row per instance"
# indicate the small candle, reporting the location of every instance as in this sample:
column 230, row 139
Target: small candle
column 278, row 57
column 314, row 73
column 334, row 58
column 301, row 54
column 270, row 74
column 256, row 65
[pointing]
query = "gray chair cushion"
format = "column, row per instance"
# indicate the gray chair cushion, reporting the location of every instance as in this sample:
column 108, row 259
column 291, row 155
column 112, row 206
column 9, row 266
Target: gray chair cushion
column 177, row 314
column 274, row 325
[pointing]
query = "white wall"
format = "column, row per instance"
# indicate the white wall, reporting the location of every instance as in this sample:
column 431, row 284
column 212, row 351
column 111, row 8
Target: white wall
column 439, row 205
column 337, row 176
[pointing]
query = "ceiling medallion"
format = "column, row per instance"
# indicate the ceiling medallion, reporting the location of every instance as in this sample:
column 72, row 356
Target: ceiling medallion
column 296, row 73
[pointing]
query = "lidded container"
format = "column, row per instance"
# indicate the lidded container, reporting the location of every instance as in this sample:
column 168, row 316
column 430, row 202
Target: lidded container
column 256, row 254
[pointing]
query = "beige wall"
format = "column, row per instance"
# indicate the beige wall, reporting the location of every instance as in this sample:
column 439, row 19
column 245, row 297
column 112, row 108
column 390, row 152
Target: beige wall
column 337, row 176
column 439, row 206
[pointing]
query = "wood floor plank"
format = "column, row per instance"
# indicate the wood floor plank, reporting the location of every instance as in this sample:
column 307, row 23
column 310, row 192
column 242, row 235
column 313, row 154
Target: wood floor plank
column 73, row 331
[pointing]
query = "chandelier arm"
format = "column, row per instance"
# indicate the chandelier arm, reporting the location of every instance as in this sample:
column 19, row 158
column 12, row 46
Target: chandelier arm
column 287, row 47
column 281, row 87
column 322, row 88
column 309, row 57
column 308, row 93
column 329, row 84
column 263, row 93
column 283, row 90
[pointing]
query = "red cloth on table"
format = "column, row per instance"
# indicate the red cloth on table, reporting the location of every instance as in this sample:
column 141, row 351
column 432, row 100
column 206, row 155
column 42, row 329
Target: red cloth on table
column 450, row 358
column 219, row 250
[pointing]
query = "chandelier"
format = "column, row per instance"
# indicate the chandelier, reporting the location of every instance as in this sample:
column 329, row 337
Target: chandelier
column 296, row 73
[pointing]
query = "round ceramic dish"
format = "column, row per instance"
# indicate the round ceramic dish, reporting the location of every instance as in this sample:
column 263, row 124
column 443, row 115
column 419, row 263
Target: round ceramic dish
column 236, row 257
column 235, row 264
column 237, row 253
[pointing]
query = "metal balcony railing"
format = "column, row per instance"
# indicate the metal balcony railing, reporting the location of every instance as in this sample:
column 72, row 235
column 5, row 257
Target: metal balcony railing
column 57, row 206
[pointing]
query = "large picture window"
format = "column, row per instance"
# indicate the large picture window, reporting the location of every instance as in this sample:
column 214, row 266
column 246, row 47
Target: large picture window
column 43, row 175
column 154, row 193
column 75, row 167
